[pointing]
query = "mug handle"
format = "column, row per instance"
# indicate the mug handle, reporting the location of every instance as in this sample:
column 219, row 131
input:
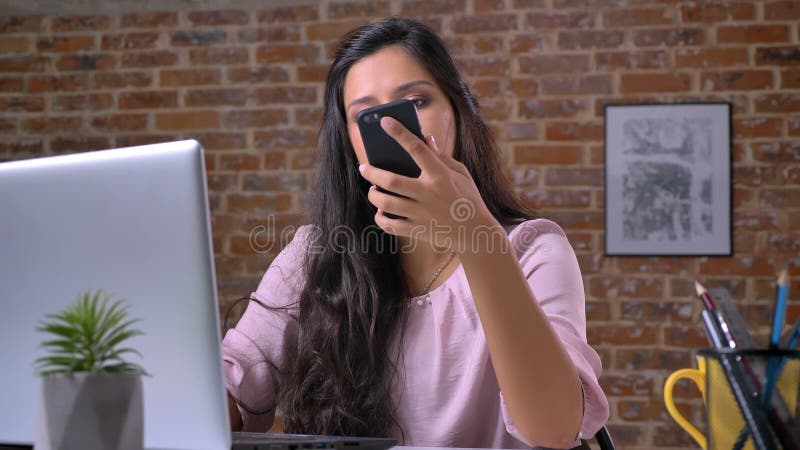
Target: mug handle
column 699, row 379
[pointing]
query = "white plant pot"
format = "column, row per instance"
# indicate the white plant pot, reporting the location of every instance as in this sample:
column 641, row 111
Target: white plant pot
column 91, row 412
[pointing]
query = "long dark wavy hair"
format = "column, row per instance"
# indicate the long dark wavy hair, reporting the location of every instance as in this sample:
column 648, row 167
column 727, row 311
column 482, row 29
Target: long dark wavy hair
column 339, row 369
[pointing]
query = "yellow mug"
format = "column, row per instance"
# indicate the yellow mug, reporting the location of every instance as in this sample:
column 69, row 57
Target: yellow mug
column 723, row 417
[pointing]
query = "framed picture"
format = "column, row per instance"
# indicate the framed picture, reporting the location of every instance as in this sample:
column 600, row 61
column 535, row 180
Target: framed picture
column 668, row 179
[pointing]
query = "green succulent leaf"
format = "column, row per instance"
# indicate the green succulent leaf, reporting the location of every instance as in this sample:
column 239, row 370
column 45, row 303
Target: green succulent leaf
column 88, row 335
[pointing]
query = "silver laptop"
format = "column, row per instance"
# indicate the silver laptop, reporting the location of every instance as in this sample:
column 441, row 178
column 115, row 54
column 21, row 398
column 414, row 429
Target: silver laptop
column 134, row 222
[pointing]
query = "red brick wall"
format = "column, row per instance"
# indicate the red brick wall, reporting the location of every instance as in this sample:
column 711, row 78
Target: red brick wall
column 247, row 84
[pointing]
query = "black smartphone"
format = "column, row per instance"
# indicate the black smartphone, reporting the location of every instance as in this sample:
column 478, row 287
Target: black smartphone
column 382, row 150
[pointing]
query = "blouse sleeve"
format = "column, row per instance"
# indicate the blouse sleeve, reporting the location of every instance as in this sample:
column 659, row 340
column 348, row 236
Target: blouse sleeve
column 552, row 271
column 253, row 350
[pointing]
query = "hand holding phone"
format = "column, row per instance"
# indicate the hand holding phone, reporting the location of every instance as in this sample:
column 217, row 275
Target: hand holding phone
column 382, row 150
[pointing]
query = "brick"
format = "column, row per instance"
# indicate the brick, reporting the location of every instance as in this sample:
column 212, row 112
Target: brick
column 340, row 10
column 216, row 97
column 576, row 85
column 287, row 94
column 58, row 83
column 655, row 82
column 740, row 265
column 276, row 160
column 273, row 33
column 777, row 103
column 156, row 58
column 299, row 54
column 551, row 108
column 96, row 61
column 538, row 198
column 21, row 24
column 219, row 17
column 529, row 4
column 215, row 56
column 83, row 102
column 308, row 115
column 736, row 80
column 670, row 37
column 27, row 63
column 652, row 359
column 637, row 17
column 421, row 7
column 289, row 14
column 11, row 84
column 548, row 154
column 21, row 104
column 488, row 44
column 189, row 77
column 298, row 160
column 80, row 23
column 485, row 66
column 626, row 385
column 312, row 73
column 525, row 43
column 790, row 79
column 147, row 99
column 586, row 39
column 559, row 20
column 554, row 64
column 782, row 10
column 327, row 31
column 718, row 11
column 657, row 311
column 256, row 118
column 52, row 125
column 777, row 152
column 197, row 37
column 280, row 182
column 751, row 34
column 486, row 88
column 794, row 126
column 626, row 287
column 622, row 335
column 485, row 23
column 563, row 176
column 485, row 6
column 120, row 122
column 154, row 19
column 187, row 120
column 779, row 56
column 65, row 43
column 710, row 57
column 15, row 44
column 217, row 140
column 755, row 127
column 293, row 139
column 262, row 202
column 239, row 161
column 656, row 59
column 660, row 265
column 32, row 146
column 258, row 74
column 129, row 41
column 122, row 80
column 573, row 131
column 78, row 144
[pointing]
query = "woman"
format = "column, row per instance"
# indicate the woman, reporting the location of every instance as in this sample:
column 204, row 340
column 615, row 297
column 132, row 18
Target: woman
column 460, row 324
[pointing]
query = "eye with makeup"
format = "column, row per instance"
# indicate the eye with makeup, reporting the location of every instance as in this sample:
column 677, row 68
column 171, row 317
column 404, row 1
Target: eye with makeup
column 419, row 101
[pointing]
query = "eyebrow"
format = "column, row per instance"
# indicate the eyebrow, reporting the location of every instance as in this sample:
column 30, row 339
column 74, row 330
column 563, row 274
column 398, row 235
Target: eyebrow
column 398, row 90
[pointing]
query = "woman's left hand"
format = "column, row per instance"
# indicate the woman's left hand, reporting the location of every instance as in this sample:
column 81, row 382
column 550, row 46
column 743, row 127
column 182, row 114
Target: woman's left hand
column 443, row 205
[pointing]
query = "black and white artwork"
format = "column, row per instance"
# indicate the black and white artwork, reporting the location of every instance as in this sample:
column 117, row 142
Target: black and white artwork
column 668, row 179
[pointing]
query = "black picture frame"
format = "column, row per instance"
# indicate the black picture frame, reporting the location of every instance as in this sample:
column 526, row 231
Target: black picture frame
column 668, row 179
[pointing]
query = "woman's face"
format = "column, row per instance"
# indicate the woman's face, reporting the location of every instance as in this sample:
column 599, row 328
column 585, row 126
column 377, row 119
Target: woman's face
column 392, row 74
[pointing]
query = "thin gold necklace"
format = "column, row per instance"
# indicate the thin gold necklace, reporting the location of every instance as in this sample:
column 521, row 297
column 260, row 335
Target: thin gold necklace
column 427, row 298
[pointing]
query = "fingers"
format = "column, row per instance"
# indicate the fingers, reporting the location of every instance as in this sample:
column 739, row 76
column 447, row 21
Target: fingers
column 425, row 159
column 399, row 184
column 391, row 203
column 445, row 157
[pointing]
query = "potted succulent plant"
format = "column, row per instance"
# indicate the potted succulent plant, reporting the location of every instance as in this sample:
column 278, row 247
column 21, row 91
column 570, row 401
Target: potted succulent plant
column 91, row 397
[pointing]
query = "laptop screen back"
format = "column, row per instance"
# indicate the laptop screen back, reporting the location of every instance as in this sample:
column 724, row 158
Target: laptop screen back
column 133, row 222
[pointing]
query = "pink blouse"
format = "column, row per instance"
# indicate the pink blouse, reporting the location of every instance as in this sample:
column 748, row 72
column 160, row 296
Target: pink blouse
column 449, row 395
